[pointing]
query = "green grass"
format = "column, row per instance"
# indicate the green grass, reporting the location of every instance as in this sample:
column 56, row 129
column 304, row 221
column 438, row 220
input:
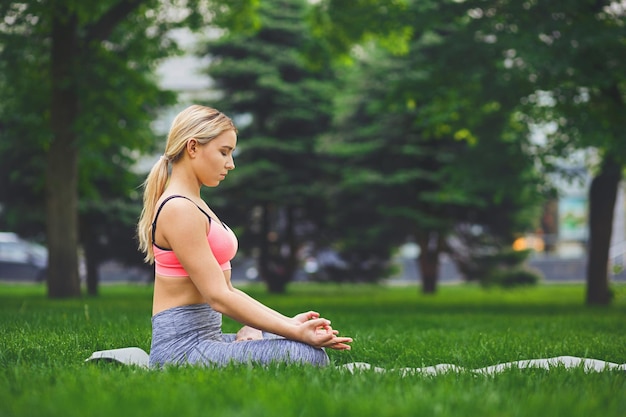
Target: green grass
column 43, row 345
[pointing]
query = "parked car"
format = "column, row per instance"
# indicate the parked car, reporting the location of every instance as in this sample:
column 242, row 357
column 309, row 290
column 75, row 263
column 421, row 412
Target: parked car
column 21, row 260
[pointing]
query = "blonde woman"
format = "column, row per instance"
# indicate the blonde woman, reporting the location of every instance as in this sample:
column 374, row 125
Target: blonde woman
column 192, row 249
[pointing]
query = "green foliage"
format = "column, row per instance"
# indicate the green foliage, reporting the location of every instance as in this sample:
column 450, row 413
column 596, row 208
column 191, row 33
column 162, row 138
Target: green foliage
column 339, row 25
column 106, row 52
column 563, row 62
column 116, row 86
column 514, row 277
column 572, row 52
column 44, row 344
column 283, row 104
column 423, row 154
column 262, row 76
column 500, row 267
column 535, row 63
column 482, row 258
column 111, row 59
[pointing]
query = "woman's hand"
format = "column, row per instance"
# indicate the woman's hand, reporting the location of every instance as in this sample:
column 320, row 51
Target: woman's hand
column 304, row 317
column 318, row 332
column 341, row 342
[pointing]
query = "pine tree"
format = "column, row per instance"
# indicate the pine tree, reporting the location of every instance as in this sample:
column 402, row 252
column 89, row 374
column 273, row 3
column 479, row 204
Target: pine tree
column 282, row 104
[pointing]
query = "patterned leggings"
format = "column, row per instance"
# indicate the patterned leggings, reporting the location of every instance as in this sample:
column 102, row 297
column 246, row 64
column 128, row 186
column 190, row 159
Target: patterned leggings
column 192, row 335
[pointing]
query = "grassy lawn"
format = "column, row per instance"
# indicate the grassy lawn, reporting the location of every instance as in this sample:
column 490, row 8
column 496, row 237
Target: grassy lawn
column 43, row 345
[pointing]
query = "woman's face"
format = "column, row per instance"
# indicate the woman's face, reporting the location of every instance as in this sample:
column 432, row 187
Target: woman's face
column 215, row 159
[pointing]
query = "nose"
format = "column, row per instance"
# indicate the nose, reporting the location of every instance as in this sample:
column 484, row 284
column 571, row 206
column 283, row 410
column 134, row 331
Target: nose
column 230, row 164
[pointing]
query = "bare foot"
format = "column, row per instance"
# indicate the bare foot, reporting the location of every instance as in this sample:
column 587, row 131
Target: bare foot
column 248, row 333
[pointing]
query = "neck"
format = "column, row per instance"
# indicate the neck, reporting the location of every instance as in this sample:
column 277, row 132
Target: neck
column 183, row 182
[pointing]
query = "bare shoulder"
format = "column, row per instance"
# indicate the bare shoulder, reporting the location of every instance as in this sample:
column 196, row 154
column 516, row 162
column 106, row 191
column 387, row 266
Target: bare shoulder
column 176, row 203
column 180, row 215
column 183, row 228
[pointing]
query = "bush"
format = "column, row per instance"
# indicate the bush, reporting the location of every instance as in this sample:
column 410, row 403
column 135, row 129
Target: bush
column 514, row 277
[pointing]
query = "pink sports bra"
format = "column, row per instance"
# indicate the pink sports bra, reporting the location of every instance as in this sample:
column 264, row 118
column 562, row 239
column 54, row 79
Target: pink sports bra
column 222, row 241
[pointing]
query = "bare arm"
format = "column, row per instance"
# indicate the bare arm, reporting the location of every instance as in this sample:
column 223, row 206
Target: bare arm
column 299, row 319
column 259, row 304
column 185, row 229
column 250, row 333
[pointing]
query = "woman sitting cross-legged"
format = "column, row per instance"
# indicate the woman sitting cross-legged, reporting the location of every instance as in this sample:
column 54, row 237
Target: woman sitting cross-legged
column 192, row 249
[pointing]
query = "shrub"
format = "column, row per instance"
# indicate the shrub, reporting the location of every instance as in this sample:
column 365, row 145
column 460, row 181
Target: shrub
column 513, row 277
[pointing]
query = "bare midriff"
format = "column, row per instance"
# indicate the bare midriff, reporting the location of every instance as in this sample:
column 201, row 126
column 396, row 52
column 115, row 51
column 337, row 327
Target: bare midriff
column 172, row 292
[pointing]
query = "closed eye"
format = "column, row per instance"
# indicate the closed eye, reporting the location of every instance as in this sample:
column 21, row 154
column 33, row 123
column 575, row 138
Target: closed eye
column 225, row 150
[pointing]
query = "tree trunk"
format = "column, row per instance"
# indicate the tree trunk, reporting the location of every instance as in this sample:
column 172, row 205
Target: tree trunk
column 62, row 162
column 92, row 259
column 275, row 266
column 264, row 254
column 93, row 276
column 271, row 264
column 602, row 196
column 430, row 244
column 292, row 244
column 281, row 265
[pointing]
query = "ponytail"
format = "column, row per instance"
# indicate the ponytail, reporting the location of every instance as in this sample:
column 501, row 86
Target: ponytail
column 154, row 186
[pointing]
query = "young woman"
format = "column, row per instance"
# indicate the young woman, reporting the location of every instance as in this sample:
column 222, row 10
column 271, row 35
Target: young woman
column 192, row 249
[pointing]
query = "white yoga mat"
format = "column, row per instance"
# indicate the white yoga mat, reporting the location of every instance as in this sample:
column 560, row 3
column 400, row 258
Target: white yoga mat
column 138, row 357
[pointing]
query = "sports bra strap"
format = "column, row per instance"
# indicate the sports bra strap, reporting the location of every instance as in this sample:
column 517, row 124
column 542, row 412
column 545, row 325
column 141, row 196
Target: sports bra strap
column 161, row 207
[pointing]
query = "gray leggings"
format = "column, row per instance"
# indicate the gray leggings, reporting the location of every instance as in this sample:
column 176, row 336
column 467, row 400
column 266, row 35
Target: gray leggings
column 193, row 335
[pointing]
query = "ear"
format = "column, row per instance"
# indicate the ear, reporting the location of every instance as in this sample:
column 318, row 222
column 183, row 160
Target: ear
column 192, row 146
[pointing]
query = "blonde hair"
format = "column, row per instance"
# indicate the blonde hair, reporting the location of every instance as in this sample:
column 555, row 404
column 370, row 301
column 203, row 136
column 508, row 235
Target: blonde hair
column 195, row 122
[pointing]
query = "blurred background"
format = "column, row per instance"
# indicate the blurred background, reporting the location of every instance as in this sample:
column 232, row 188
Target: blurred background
column 379, row 141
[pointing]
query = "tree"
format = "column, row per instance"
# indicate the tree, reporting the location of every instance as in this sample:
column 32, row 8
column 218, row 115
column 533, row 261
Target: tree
column 92, row 64
column 419, row 165
column 65, row 36
column 570, row 53
column 436, row 125
column 261, row 76
column 586, row 87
